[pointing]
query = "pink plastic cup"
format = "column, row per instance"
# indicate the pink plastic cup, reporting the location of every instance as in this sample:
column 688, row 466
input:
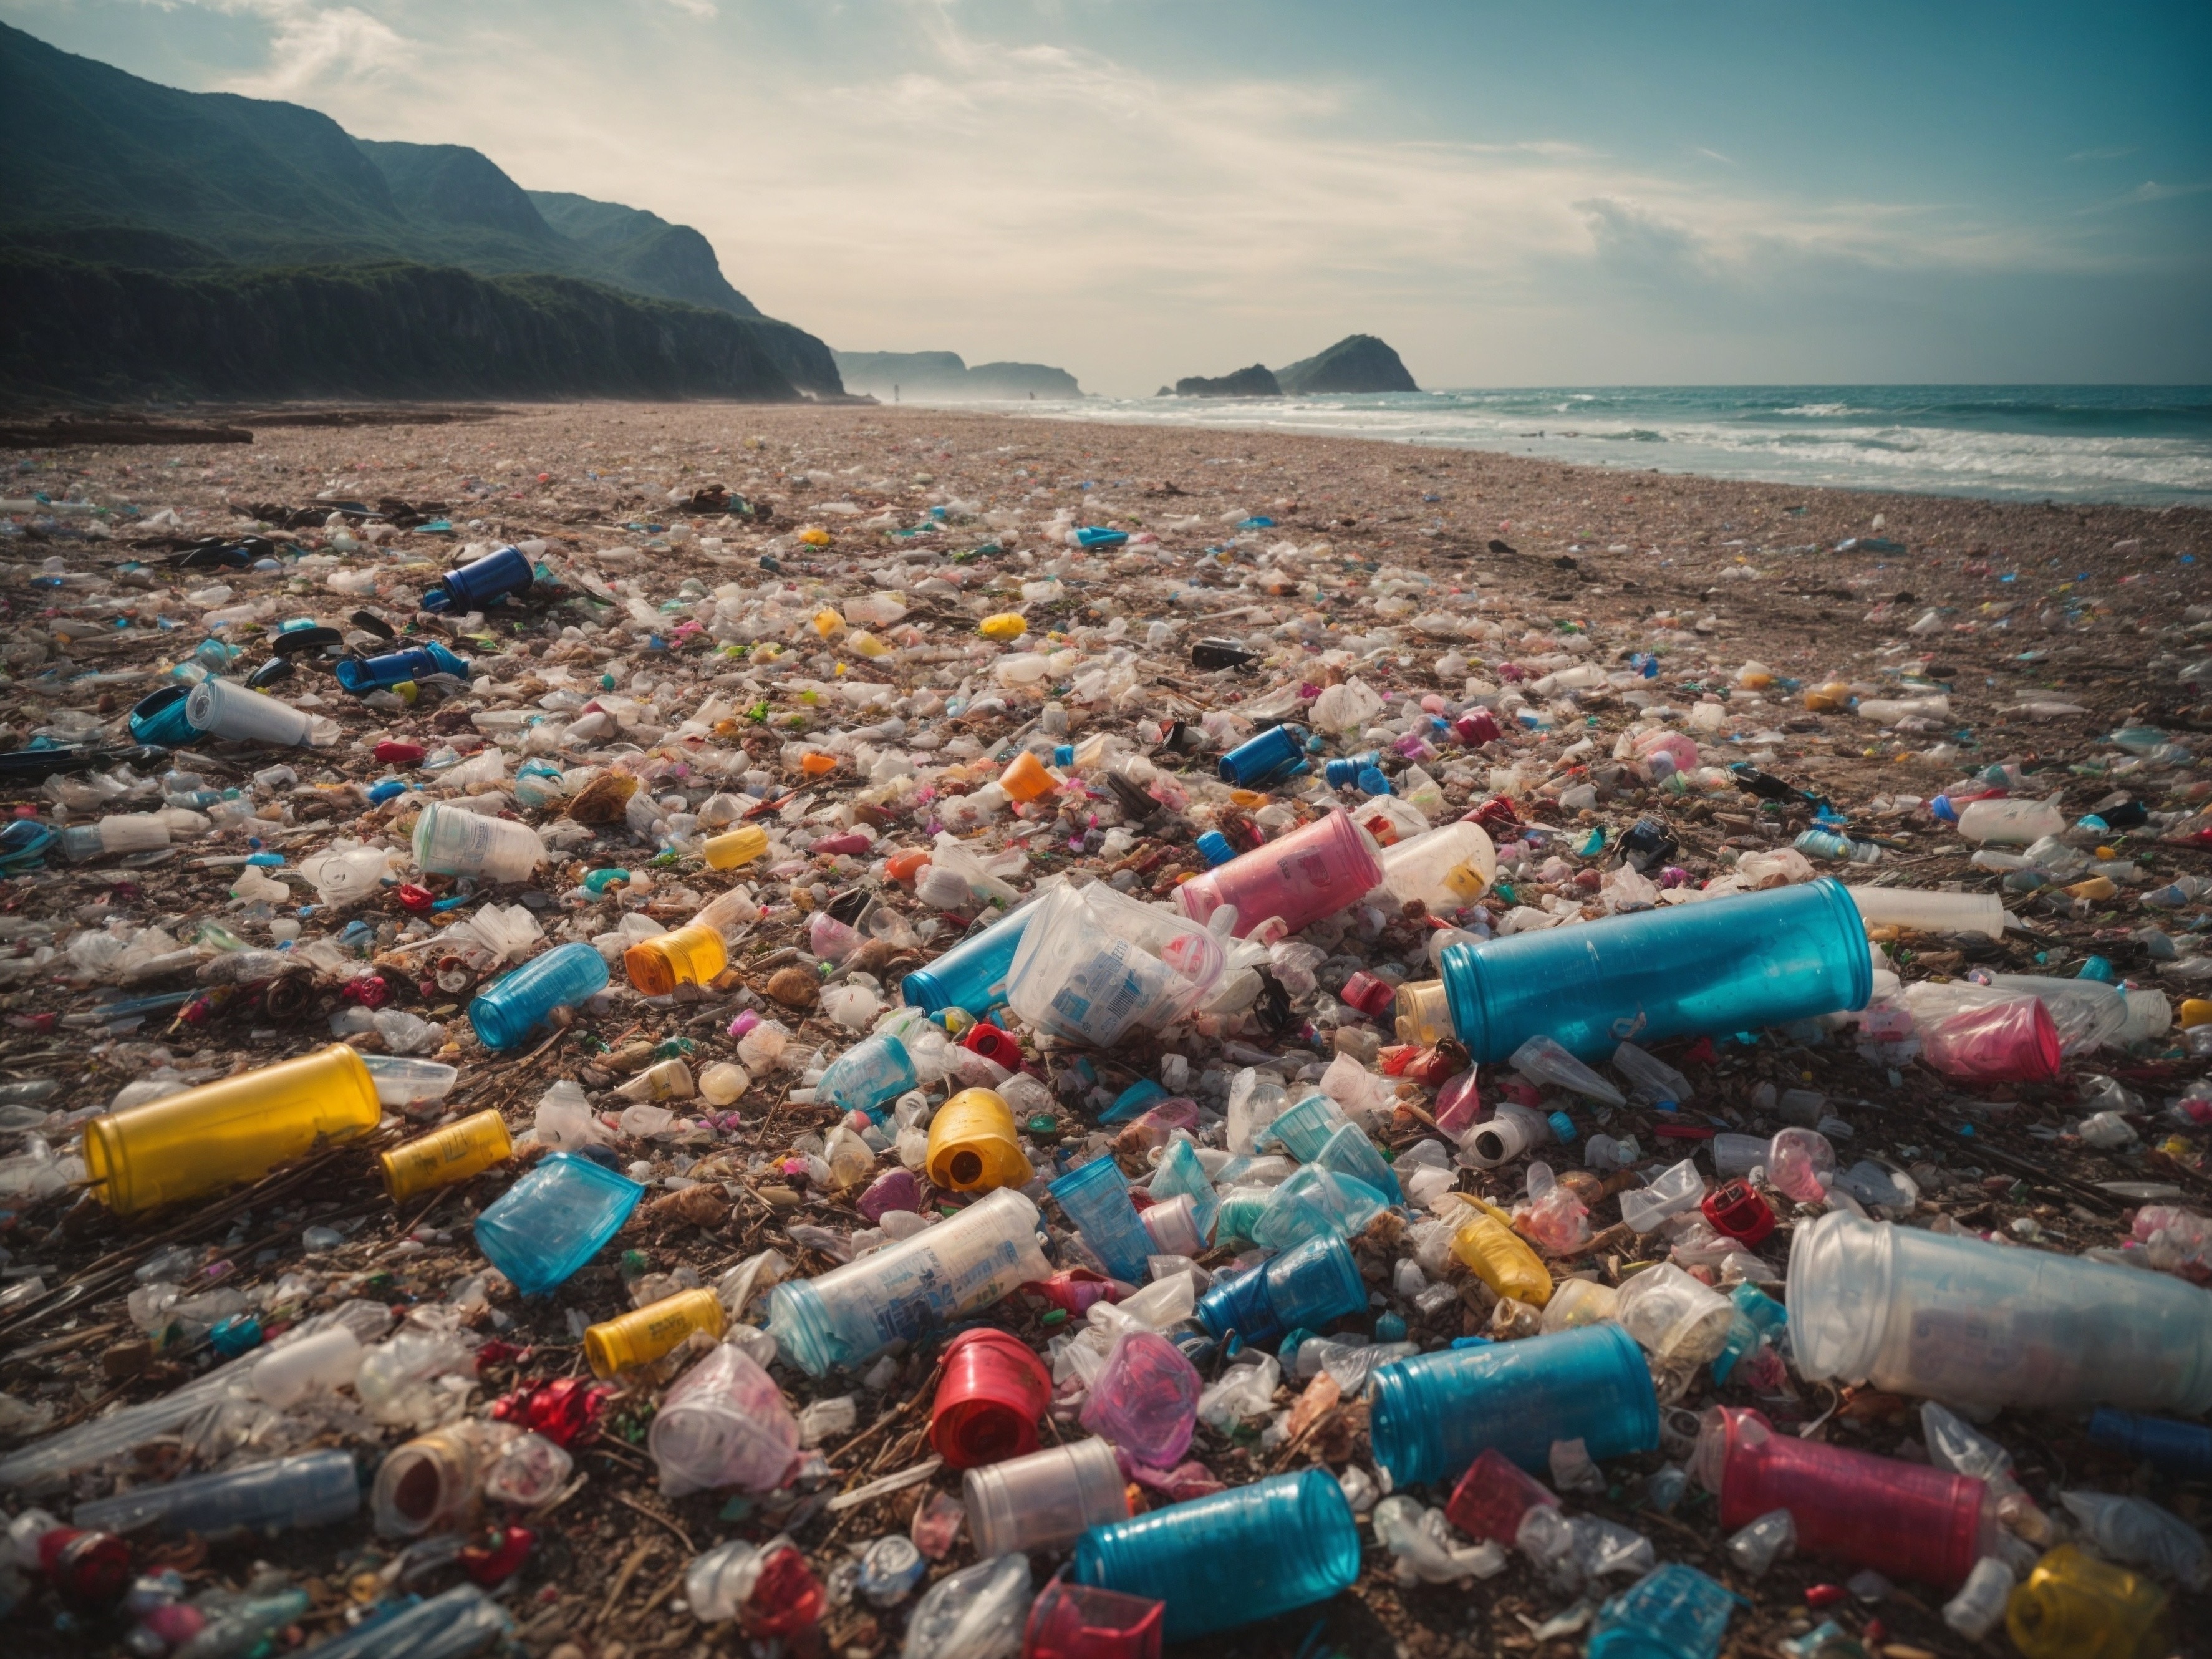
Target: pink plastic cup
column 1309, row 873
column 2011, row 1042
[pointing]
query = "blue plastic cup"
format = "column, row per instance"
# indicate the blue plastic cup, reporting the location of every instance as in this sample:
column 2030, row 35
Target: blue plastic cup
column 361, row 674
column 1305, row 1127
column 1231, row 1558
column 518, row 1004
column 873, row 1071
column 1435, row 1413
column 1308, row 1286
column 972, row 975
column 554, row 1220
column 1730, row 964
column 1349, row 1152
column 475, row 586
column 1180, row 1171
column 2183, row 1448
column 1096, row 1198
column 159, row 719
column 1672, row 1612
column 1315, row 1202
column 1277, row 753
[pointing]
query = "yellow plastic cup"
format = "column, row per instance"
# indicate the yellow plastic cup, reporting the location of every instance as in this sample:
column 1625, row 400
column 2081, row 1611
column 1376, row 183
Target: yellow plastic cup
column 1026, row 779
column 1424, row 1014
column 641, row 1336
column 692, row 955
column 1006, row 625
column 206, row 1138
column 446, row 1156
column 2073, row 1606
column 739, row 846
column 972, row 1148
column 1490, row 1250
column 2196, row 1010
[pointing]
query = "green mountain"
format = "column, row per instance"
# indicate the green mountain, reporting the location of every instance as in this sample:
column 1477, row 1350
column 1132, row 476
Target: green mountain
column 928, row 374
column 100, row 167
column 1357, row 362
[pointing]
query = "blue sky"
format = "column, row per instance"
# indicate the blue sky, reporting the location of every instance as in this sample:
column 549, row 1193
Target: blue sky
column 1510, row 194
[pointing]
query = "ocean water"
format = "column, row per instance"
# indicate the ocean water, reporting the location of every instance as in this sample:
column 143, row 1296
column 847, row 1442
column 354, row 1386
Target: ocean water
column 2149, row 446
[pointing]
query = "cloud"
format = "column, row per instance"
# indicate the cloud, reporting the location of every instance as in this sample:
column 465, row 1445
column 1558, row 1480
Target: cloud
column 311, row 46
column 1640, row 242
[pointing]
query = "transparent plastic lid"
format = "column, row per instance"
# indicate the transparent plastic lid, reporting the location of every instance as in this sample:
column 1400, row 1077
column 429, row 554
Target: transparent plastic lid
column 1840, row 1272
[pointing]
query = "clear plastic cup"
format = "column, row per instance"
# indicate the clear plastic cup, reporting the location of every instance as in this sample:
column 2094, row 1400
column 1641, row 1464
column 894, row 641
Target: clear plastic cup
column 1955, row 1319
column 1093, row 964
column 1045, row 1501
column 723, row 1424
column 510, row 1010
column 1447, row 869
column 452, row 841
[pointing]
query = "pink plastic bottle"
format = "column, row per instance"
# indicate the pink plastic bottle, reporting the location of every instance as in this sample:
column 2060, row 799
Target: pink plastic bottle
column 1309, row 873
column 1903, row 1520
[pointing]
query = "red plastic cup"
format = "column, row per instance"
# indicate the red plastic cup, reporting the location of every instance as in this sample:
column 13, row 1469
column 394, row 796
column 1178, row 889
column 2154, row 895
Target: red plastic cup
column 987, row 1407
column 1308, row 874
column 1373, row 997
column 1082, row 1621
column 1495, row 815
column 1458, row 1102
column 89, row 1569
column 1903, row 1520
column 2012, row 1042
column 1001, row 1047
column 1476, row 726
column 1492, row 1496
column 1740, row 1212
column 392, row 752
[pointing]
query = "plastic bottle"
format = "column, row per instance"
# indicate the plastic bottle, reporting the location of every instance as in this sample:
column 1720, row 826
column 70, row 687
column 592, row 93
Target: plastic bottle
column 2073, row 1606
column 2182, row 1449
column 1096, row 1198
column 362, row 675
column 873, row 1070
column 1435, row 1413
column 972, row 1145
column 965, row 1262
column 1903, row 1520
column 118, row 832
column 554, row 1220
column 1672, row 1612
column 643, row 1334
column 1727, row 965
column 1233, row 1558
column 2010, row 821
column 283, row 1377
column 1308, row 1287
column 1081, row 1621
column 1926, row 912
column 222, row 708
column 1046, row 1500
column 694, row 954
column 1953, row 1318
column 312, row 1490
column 723, row 1424
column 1309, row 873
column 1488, row 1248
column 734, row 848
column 185, row 1145
column 450, row 840
column 430, row 1482
column 1446, row 869
column 1274, row 756
column 972, row 975
column 475, row 585
column 445, row 1156
column 993, row 1390
column 1423, row 1012
column 464, row 1620
column 521, row 1002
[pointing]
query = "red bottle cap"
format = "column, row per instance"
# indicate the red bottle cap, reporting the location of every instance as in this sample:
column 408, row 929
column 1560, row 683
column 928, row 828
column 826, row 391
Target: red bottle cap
column 1001, row 1047
column 786, row 1599
column 987, row 1407
column 88, row 1570
column 1371, row 995
column 1740, row 1212
column 1492, row 1496
column 1082, row 1621
column 392, row 752
column 500, row 1557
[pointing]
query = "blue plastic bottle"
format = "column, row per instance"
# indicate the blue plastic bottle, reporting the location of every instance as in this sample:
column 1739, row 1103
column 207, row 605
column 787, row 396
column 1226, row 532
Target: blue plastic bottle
column 518, row 1004
column 972, row 975
column 1233, row 1558
column 1729, row 964
column 1672, row 1612
column 1276, row 754
column 475, row 586
column 2181, row 1448
column 1310, row 1285
column 1349, row 1152
column 1342, row 773
column 1096, row 1200
column 360, row 675
column 1435, row 1413
column 554, row 1220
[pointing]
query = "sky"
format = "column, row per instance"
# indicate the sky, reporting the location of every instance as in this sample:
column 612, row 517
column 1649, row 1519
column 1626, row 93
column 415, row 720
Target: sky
column 1571, row 193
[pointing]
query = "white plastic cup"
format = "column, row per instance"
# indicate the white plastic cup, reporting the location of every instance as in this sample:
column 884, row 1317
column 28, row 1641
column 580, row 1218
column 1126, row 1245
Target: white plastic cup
column 1930, row 912
column 1045, row 1501
column 450, row 842
column 223, row 709
column 1447, row 869
column 284, row 1376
